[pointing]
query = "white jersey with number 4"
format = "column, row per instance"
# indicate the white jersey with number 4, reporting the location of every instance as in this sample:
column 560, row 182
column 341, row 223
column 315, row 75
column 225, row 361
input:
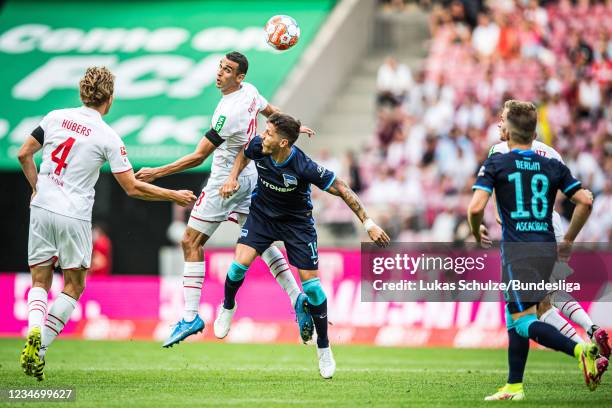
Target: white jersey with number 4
column 77, row 142
column 235, row 120
column 544, row 150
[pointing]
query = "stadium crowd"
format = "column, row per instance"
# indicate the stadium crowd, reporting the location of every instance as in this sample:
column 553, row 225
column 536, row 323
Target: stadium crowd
column 435, row 127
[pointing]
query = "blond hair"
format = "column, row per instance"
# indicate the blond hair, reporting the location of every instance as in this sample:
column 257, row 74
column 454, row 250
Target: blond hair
column 522, row 119
column 97, row 86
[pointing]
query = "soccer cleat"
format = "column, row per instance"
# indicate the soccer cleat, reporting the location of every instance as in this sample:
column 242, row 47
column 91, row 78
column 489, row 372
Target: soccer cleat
column 327, row 364
column 29, row 355
column 304, row 319
column 39, row 371
column 184, row 329
column 508, row 392
column 602, row 367
column 587, row 361
column 223, row 322
column 599, row 336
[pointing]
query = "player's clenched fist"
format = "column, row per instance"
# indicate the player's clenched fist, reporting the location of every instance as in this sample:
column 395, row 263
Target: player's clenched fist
column 184, row 198
column 230, row 186
column 146, row 174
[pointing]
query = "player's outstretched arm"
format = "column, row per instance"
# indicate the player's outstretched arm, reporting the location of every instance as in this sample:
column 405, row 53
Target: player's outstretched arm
column 145, row 191
column 202, row 151
column 26, row 159
column 341, row 189
column 476, row 212
column 231, row 184
column 270, row 109
column 584, row 204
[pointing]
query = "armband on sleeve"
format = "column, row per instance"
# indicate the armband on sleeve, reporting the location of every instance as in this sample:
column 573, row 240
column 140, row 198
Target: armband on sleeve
column 214, row 137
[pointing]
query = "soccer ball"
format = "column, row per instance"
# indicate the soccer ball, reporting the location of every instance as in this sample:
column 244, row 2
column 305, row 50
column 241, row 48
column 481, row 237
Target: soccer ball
column 282, row 32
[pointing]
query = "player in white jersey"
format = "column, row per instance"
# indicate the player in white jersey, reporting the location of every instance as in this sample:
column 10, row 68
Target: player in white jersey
column 75, row 143
column 233, row 124
column 560, row 301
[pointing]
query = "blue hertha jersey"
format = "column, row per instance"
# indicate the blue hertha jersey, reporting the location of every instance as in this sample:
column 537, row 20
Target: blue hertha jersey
column 283, row 189
column 525, row 185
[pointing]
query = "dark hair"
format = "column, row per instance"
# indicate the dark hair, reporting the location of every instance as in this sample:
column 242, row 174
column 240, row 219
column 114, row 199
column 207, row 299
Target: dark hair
column 523, row 119
column 287, row 126
column 240, row 59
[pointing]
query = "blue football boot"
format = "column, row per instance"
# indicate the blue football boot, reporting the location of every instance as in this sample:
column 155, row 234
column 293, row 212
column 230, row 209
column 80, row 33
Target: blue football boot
column 184, row 329
column 303, row 317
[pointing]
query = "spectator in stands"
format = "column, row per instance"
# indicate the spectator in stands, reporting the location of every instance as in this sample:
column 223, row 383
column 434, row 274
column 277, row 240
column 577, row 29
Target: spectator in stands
column 396, row 151
column 330, row 162
column 485, row 36
column 585, row 167
column 557, row 113
column 601, row 231
column 579, row 51
column 392, row 82
column 489, row 92
column 508, row 44
column 385, row 190
column 388, row 123
column 589, row 95
column 102, row 256
column 414, row 103
column 439, row 116
column 530, row 39
column 602, row 56
column 354, row 172
column 458, row 14
column 536, row 14
column 465, row 164
column 470, row 114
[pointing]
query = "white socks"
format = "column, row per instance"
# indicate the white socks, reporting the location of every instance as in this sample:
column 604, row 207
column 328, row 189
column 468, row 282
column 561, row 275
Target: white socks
column 56, row 319
column 37, row 307
column 575, row 313
column 193, row 279
column 552, row 317
column 279, row 268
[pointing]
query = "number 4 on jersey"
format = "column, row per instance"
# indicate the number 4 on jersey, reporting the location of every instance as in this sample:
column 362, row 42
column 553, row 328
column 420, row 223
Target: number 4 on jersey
column 64, row 150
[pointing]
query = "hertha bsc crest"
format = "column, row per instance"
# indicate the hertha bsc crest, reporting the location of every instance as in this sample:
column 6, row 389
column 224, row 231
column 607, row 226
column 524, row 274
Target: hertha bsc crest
column 289, row 180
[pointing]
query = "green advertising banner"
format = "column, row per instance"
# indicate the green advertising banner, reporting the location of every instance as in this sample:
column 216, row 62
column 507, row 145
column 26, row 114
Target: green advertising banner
column 164, row 55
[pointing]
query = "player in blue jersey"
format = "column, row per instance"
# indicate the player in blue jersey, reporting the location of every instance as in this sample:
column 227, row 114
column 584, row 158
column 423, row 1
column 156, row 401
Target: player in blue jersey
column 281, row 210
column 558, row 302
column 525, row 186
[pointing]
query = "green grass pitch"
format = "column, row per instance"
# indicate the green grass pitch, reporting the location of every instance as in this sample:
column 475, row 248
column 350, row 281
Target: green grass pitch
column 135, row 374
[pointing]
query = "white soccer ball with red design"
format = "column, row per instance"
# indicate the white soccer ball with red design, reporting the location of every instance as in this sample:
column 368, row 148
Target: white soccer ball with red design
column 282, row 32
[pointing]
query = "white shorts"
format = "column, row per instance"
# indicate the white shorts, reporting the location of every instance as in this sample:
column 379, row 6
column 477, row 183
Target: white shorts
column 57, row 238
column 557, row 226
column 210, row 209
